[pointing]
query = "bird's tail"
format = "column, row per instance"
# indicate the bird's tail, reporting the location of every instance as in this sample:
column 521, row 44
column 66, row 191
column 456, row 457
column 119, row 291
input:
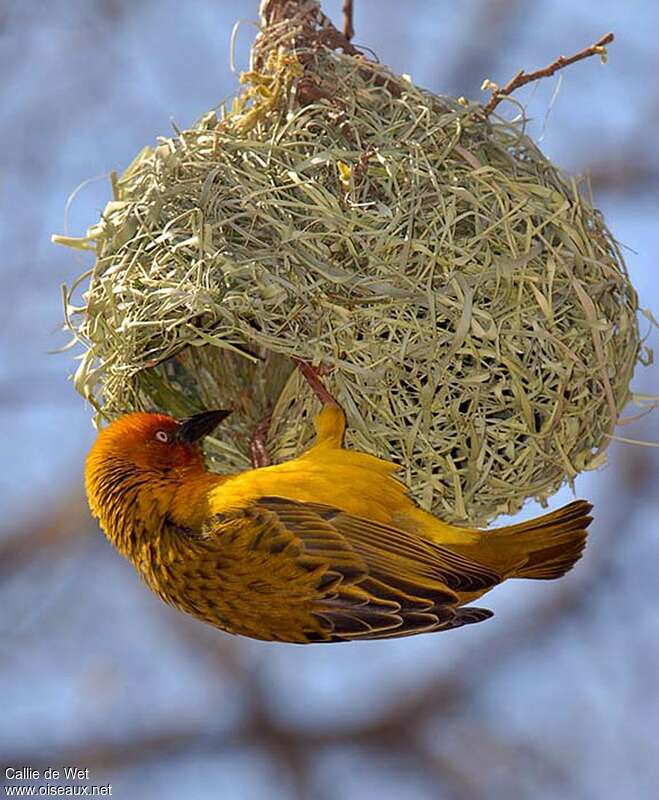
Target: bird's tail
column 545, row 547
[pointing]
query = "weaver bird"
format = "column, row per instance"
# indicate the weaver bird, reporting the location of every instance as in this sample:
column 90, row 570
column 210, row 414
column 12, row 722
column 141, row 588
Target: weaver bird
column 326, row 547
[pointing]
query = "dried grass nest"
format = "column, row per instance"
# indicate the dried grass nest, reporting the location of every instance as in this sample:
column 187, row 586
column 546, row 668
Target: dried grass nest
column 475, row 307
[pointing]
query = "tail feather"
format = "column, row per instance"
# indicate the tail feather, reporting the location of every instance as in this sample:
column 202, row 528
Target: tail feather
column 547, row 546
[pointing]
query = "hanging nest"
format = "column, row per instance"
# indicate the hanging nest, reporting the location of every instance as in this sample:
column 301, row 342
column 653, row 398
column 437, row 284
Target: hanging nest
column 473, row 305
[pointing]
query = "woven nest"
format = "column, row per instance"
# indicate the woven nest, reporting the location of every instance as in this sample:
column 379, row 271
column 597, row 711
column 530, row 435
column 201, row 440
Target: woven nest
column 473, row 304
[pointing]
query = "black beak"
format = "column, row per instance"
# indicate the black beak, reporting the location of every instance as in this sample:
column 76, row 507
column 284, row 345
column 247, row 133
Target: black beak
column 192, row 429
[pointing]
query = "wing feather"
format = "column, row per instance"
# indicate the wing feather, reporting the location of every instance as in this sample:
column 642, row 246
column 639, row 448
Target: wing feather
column 379, row 544
column 325, row 575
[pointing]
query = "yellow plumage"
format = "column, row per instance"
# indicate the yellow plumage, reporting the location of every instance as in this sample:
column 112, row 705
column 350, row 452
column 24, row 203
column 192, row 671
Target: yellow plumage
column 326, row 547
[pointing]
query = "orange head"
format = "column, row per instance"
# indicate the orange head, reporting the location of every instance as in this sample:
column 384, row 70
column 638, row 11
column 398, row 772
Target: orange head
column 156, row 442
column 137, row 464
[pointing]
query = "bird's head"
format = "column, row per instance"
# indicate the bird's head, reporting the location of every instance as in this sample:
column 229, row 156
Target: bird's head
column 156, row 442
column 140, row 460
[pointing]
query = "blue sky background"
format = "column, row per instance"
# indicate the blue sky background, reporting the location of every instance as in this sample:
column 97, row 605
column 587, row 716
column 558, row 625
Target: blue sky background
column 559, row 694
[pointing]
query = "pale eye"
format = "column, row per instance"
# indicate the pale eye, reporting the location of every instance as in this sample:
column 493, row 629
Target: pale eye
column 162, row 436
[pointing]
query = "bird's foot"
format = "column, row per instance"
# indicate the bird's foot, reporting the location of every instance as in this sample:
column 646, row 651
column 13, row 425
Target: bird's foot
column 258, row 447
column 312, row 375
column 330, row 423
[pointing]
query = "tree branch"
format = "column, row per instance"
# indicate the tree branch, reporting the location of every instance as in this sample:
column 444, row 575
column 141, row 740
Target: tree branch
column 54, row 527
column 348, row 26
column 522, row 78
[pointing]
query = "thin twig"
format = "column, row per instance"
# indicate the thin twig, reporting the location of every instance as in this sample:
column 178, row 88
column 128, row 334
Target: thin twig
column 348, row 27
column 522, row 78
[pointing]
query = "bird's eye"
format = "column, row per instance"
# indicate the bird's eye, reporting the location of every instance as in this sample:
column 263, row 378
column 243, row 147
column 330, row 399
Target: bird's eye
column 162, row 436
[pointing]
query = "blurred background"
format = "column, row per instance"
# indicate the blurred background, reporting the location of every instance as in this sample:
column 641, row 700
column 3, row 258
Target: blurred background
column 557, row 696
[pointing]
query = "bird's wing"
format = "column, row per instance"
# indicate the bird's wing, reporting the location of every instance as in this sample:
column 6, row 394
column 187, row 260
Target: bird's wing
column 311, row 572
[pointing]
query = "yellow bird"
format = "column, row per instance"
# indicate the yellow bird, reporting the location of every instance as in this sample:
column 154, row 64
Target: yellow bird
column 326, row 547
